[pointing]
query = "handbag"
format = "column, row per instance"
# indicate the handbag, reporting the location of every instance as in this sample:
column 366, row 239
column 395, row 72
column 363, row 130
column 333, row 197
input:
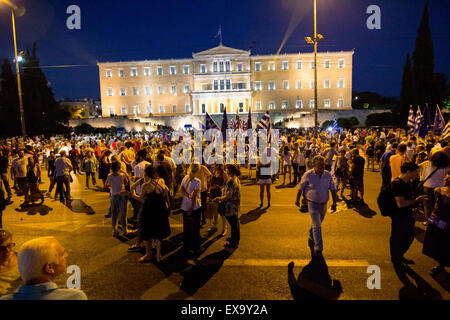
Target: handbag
column 419, row 189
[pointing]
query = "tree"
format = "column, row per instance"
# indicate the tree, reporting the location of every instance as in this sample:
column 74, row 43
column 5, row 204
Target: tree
column 406, row 94
column 347, row 122
column 423, row 63
column 9, row 102
column 382, row 119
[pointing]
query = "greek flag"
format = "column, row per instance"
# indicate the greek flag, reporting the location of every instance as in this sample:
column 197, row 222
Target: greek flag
column 265, row 123
column 439, row 122
column 446, row 132
column 411, row 121
column 419, row 121
column 210, row 123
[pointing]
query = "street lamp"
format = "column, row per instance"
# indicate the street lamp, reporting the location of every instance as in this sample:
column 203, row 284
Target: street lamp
column 317, row 38
column 18, row 58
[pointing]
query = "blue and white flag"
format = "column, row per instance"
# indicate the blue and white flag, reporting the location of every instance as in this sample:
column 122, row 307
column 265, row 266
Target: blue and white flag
column 411, row 121
column 446, row 132
column 265, row 123
column 419, row 121
column 439, row 122
column 210, row 123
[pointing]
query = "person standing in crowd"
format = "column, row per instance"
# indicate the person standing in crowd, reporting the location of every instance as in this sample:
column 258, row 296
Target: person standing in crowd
column 341, row 168
column 73, row 155
column 436, row 244
column 287, row 164
column 161, row 158
column 397, row 160
column 231, row 203
column 154, row 224
column 329, row 155
column 218, row 180
column 191, row 206
column 116, row 181
column 357, row 176
column 20, row 173
column 296, row 163
column 63, row 168
column 315, row 187
column 386, row 173
column 402, row 232
column 89, row 167
column 51, row 172
column 40, row 261
column 9, row 273
column 204, row 175
column 264, row 181
column 165, row 171
column 104, row 168
column 127, row 155
column 139, row 165
column 4, row 183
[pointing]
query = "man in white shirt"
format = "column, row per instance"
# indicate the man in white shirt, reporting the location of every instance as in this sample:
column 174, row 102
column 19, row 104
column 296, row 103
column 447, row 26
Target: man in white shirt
column 62, row 173
column 19, row 166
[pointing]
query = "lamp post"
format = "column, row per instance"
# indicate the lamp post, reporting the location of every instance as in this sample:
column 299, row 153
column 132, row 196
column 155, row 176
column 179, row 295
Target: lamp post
column 317, row 38
column 21, row 11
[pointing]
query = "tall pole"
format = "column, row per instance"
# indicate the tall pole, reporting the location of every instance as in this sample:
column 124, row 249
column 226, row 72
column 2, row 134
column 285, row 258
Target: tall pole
column 19, row 87
column 315, row 71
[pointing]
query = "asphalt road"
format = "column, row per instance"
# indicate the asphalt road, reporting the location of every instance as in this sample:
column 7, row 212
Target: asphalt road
column 354, row 239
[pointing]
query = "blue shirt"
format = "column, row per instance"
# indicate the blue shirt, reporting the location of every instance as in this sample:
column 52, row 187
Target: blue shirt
column 316, row 188
column 385, row 166
column 45, row 291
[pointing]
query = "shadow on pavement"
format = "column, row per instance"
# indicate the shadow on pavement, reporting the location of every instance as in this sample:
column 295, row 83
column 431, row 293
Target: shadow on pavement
column 32, row 210
column 314, row 282
column 252, row 215
column 363, row 209
column 79, row 206
column 421, row 290
column 419, row 234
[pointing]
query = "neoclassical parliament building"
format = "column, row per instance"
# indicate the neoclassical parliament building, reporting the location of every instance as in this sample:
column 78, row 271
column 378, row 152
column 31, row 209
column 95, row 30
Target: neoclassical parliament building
column 224, row 77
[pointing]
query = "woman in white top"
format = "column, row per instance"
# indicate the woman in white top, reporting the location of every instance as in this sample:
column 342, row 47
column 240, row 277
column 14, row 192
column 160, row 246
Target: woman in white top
column 191, row 205
column 435, row 170
column 287, row 164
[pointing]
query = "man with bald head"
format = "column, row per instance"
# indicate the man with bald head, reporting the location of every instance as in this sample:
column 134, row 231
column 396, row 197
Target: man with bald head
column 40, row 261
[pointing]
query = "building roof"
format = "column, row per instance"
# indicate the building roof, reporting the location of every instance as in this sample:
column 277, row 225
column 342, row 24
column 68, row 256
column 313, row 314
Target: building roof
column 220, row 49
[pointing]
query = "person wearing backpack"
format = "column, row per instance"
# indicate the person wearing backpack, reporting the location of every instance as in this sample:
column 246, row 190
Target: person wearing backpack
column 402, row 232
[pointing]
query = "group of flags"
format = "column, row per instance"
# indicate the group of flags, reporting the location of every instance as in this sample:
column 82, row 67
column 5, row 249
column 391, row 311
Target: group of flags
column 420, row 124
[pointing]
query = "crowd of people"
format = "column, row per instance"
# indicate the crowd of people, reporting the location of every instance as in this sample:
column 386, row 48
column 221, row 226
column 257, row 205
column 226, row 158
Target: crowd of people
column 140, row 170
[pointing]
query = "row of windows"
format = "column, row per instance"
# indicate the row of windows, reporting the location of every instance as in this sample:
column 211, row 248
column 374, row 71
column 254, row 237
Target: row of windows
column 298, row 84
column 299, row 104
column 147, row 90
column 223, row 66
column 137, row 109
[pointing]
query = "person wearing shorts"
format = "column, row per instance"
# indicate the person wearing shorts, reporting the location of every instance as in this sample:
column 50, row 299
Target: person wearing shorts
column 264, row 181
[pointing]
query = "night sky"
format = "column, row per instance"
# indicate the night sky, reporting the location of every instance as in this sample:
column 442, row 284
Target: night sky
column 119, row 30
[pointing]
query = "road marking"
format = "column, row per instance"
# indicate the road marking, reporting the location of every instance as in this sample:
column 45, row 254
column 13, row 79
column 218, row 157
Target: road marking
column 285, row 262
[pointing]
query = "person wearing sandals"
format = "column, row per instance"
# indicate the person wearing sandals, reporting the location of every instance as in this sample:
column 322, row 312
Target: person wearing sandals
column 231, row 202
column 154, row 224
column 219, row 177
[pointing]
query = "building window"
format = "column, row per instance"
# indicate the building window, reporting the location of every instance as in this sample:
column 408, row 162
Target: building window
column 160, row 90
column 203, row 108
column 284, row 65
column 298, row 84
column 186, row 88
column 284, row 104
column 221, row 107
column 146, row 71
column 326, row 84
column 173, row 70
column 341, row 83
column 240, row 85
column 173, row 89
column 258, row 105
column 228, row 83
column 271, row 66
column 148, row 90
column 257, row 66
column 258, row 86
column 149, row 109
column 341, row 63
column 185, row 69
column 203, row 68
column 135, row 91
column 159, row 71
column 112, row 111
column 222, row 85
column 312, row 104
column 311, row 64
column 216, row 85
column 326, row 64
column 162, row 109
column 340, row 103
column 311, row 84
column 136, row 109
column 123, row 92
column 241, row 107
column 120, row 73
column 123, row 110
column 271, row 105
column 108, row 73
column 299, row 104
column 271, row 85
column 299, row 64
column 285, row 84
column 327, row 103
column 174, row 108
column 187, row 107
column 227, row 66
column 221, row 66
column 240, row 67
column 109, row 92
column 215, row 66
column 134, row 72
